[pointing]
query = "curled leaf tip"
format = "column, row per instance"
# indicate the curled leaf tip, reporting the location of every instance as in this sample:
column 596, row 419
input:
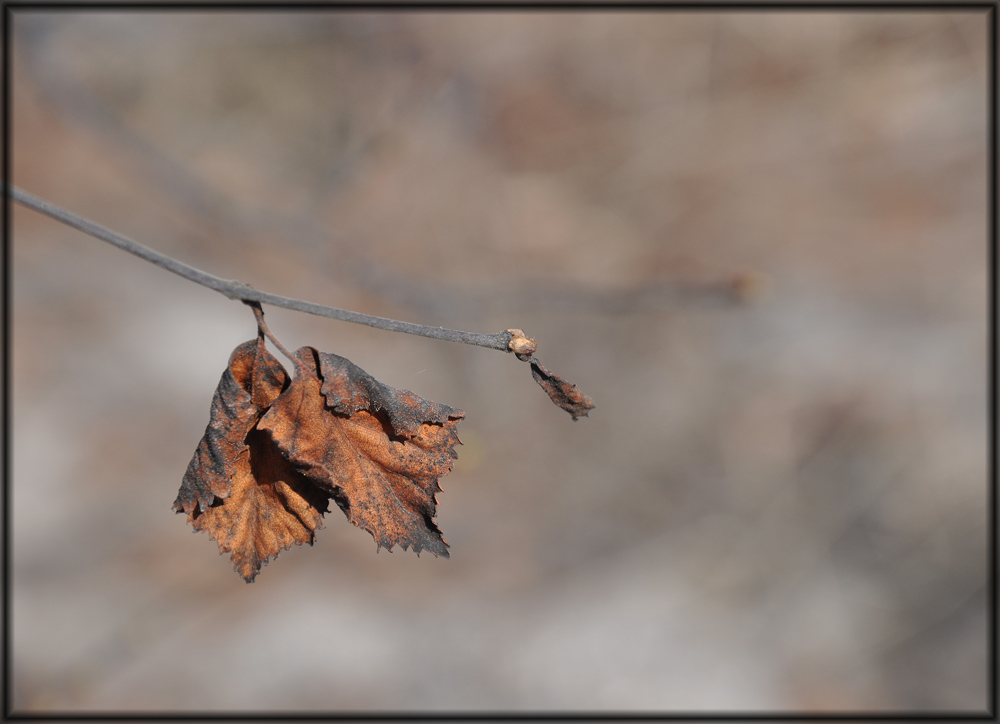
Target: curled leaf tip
column 562, row 392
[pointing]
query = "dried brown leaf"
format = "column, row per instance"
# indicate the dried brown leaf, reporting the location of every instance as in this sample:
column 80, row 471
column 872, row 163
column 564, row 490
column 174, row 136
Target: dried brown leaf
column 271, row 507
column 377, row 450
column 251, row 382
column 562, row 392
column 238, row 487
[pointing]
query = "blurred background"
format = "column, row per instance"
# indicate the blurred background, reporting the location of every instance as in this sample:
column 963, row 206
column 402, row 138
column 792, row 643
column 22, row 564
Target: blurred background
column 757, row 240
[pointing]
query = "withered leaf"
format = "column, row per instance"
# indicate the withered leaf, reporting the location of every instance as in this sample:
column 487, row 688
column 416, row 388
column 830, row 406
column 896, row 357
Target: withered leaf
column 271, row 507
column 238, row 487
column 251, row 382
column 562, row 392
column 376, row 450
column 277, row 449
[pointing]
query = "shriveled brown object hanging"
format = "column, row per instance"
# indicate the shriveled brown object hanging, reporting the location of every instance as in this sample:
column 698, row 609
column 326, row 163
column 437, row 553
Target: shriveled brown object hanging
column 562, row 392
column 377, row 450
column 277, row 449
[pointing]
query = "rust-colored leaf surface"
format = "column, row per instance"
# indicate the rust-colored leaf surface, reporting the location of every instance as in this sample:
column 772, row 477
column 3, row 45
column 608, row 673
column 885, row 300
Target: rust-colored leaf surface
column 271, row 507
column 251, row 382
column 562, row 392
column 378, row 451
column 238, row 487
column 277, row 449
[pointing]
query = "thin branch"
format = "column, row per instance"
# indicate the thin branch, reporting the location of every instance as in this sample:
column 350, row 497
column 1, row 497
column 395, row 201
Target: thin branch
column 237, row 290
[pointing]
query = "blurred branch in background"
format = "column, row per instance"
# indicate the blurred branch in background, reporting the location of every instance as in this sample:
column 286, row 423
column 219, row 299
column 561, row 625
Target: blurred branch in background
column 219, row 211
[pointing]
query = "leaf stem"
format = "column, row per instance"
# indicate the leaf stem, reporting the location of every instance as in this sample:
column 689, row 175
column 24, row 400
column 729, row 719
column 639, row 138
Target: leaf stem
column 266, row 331
column 237, row 290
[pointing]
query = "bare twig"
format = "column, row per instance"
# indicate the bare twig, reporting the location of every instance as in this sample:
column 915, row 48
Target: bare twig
column 237, row 290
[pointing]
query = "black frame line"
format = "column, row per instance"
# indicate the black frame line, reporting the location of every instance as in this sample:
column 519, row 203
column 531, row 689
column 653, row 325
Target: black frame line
column 513, row 5
column 993, row 553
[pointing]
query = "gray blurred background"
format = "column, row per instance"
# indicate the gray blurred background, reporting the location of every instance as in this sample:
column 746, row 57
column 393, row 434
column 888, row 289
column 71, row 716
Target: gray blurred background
column 757, row 240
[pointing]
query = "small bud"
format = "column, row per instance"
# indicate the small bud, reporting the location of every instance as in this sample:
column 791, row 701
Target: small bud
column 521, row 345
